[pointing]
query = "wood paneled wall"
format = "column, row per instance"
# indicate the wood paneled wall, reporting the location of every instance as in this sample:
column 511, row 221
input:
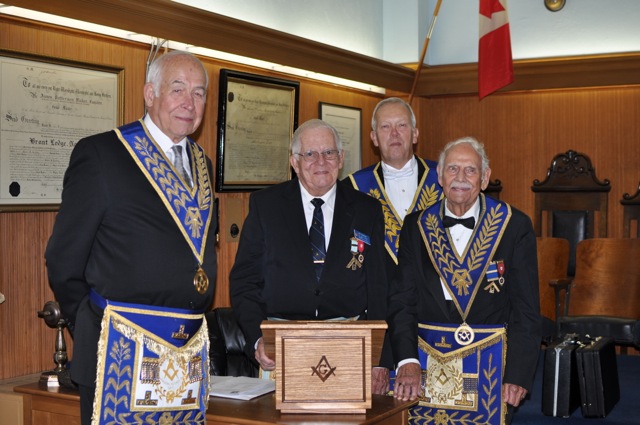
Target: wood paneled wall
column 26, row 343
column 521, row 130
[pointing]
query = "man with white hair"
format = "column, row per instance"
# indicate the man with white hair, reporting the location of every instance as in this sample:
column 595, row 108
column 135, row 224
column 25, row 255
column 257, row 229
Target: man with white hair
column 466, row 293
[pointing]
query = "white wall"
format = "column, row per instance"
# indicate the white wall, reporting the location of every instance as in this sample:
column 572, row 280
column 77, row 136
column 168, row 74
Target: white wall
column 394, row 30
column 349, row 24
column 582, row 27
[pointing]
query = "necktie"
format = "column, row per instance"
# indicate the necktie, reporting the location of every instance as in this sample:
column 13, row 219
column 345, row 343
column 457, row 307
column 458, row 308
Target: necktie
column 179, row 164
column 449, row 221
column 316, row 236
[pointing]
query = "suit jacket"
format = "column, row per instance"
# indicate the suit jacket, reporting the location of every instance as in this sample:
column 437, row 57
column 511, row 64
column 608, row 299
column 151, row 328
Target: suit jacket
column 274, row 275
column 417, row 296
column 113, row 234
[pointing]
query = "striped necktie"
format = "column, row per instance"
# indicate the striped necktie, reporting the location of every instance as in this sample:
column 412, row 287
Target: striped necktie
column 179, row 164
column 316, row 236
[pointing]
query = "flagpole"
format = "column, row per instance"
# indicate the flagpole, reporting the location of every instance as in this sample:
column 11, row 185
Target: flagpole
column 424, row 49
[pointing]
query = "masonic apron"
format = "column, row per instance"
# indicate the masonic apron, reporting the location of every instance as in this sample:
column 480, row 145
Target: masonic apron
column 463, row 365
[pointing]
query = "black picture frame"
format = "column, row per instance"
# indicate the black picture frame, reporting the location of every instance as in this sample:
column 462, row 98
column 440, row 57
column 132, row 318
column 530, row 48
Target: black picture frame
column 257, row 116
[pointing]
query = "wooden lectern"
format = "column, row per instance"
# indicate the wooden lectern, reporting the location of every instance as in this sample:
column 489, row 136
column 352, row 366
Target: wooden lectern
column 323, row 366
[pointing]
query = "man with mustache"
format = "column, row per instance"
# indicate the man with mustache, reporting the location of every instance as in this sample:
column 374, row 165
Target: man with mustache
column 465, row 293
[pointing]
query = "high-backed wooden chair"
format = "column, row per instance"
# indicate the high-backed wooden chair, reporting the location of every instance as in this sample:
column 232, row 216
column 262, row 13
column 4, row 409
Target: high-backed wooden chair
column 493, row 189
column 603, row 299
column 571, row 202
column 553, row 259
column 631, row 207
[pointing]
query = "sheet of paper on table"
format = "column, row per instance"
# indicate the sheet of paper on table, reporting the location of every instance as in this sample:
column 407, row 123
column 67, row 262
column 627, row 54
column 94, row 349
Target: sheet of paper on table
column 239, row 387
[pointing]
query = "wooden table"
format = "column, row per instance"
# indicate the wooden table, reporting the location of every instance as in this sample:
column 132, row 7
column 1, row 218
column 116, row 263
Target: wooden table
column 61, row 406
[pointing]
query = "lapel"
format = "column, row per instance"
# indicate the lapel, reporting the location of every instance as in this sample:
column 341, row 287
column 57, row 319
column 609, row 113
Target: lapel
column 343, row 215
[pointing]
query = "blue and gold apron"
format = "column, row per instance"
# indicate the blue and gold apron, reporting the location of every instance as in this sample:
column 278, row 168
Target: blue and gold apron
column 463, row 365
column 153, row 365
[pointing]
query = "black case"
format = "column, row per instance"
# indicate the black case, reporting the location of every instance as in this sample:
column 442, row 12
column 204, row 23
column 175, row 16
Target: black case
column 560, row 392
column 598, row 377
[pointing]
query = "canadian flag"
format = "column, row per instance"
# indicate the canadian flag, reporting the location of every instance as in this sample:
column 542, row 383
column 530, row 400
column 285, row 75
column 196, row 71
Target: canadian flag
column 495, row 64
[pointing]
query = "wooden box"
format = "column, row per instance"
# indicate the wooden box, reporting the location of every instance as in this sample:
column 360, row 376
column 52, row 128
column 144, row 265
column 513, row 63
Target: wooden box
column 323, row 366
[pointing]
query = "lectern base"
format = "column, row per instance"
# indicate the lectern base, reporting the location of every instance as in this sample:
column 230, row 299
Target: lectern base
column 324, row 367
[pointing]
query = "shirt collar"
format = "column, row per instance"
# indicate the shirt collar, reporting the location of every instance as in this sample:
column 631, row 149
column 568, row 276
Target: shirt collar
column 160, row 138
column 409, row 169
column 329, row 198
column 474, row 211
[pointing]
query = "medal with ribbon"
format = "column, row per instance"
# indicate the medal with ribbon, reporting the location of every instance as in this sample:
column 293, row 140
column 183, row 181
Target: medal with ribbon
column 358, row 242
column 494, row 274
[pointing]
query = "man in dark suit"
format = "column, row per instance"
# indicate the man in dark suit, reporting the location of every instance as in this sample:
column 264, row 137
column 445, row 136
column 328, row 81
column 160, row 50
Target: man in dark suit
column 278, row 272
column 481, row 270
column 135, row 228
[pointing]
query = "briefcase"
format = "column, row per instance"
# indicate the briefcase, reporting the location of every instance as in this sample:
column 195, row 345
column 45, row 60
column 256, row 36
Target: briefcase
column 560, row 392
column 598, row 377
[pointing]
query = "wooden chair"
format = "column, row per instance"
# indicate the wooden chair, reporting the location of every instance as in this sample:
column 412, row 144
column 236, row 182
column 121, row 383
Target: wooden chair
column 553, row 259
column 493, row 189
column 631, row 206
column 603, row 299
column 571, row 202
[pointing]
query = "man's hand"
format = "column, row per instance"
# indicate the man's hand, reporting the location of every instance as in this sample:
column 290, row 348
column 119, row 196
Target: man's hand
column 261, row 357
column 408, row 379
column 513, row 394
column 379, row 380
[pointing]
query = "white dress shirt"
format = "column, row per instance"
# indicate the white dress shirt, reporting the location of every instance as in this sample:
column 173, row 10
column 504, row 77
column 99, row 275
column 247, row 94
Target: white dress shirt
column 401, row 185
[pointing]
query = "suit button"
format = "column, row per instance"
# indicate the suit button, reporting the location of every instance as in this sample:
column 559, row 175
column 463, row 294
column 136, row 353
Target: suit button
column 317, row 292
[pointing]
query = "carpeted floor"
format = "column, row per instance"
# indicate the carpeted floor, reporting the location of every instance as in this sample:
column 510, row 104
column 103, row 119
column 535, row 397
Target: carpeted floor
column 627, row 411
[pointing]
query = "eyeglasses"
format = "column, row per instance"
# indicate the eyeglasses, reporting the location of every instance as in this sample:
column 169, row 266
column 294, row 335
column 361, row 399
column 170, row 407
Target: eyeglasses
column 455, row 169
column 313, row 156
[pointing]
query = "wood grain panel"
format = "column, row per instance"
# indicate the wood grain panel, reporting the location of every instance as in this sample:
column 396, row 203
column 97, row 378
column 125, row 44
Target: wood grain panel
column 522, row 133
column 27, row 344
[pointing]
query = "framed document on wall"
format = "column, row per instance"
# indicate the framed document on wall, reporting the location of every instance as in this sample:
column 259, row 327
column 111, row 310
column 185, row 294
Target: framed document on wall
column 348, row 122
column 46, row 106
column 256, row 119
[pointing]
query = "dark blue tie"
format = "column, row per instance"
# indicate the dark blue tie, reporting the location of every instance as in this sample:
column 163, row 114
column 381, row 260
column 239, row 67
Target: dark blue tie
column 316, row 236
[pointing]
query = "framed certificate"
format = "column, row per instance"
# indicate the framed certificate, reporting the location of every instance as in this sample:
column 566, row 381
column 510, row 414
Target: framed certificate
column 256, row 119
column 348, row 122
column 47, row 105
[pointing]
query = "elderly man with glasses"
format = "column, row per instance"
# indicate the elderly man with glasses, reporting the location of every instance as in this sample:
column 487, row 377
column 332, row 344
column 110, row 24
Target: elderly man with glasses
column 311, row 248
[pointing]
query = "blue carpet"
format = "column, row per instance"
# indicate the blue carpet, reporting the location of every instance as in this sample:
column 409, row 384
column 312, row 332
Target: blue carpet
column 626, row 411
